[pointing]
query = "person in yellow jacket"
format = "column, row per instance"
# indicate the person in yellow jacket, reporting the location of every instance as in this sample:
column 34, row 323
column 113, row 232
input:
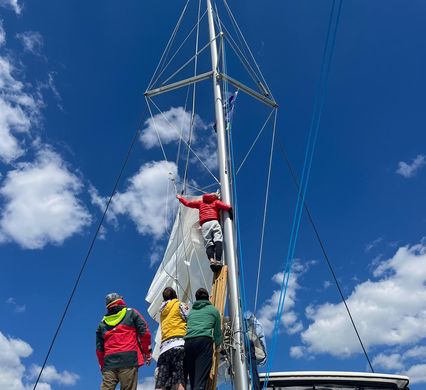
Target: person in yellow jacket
column 170, row 366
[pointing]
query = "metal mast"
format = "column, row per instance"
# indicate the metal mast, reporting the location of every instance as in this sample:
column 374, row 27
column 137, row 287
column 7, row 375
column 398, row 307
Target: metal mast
column 238, row 355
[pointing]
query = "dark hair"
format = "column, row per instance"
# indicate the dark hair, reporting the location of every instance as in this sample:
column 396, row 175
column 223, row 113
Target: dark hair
column 201, row 294
column 169, row 293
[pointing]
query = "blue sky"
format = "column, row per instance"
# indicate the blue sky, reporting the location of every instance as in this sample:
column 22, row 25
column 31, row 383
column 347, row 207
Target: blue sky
column 72, row 77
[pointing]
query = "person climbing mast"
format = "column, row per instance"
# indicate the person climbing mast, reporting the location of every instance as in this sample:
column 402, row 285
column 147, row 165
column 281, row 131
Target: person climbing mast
column 209, row 207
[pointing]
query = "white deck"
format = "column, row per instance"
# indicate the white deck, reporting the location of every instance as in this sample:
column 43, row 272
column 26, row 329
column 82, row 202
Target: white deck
column 281, row 380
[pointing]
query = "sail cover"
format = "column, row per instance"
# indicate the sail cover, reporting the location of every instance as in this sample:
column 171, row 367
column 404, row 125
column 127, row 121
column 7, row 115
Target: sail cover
column 184, row 266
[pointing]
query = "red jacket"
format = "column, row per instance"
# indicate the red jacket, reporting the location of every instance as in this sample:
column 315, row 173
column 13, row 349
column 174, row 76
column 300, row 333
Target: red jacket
column 209, row 207
column 123, row 338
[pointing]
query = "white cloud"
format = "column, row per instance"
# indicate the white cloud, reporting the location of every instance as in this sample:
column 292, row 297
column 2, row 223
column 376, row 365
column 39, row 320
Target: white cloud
column 148, row 200
column 32, row 41
column 388, row 362
column 15, row 376
column 297, row 352
column 289, row 320
column 17, row 308
column 148, row 383
column 417, row 373
column 409, row 170
column 18, row 112
column 40, row 203
column 169, row 126
column 2, row 34
column 418, row 352
column 51, row 375
column 13, row 4
column 390, row 311
column 373, row 244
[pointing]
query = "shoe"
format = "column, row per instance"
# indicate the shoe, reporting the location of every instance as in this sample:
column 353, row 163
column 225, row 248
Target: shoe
column 215, row 265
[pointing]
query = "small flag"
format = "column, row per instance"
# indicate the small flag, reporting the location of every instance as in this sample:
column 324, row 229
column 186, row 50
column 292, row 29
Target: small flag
column 228, row 107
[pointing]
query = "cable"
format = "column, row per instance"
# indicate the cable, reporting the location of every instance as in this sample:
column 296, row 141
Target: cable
column 92, row 243
column 307, row 165
column 308, row 213
column 265, row 209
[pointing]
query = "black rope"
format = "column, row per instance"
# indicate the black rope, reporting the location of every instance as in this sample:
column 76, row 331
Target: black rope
column 308, row 212
column 92, row 243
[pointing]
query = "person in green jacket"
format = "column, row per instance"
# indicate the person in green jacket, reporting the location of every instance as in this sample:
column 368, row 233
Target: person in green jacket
column 203, row 328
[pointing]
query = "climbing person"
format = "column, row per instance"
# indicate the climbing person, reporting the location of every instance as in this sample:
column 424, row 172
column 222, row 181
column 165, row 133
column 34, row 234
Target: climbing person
column 209, row 207
column 123, row 344
column 170, row 365
column 204, row 328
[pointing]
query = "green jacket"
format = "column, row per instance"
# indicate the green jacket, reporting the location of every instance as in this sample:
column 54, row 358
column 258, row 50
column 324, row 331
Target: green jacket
column 204, row 320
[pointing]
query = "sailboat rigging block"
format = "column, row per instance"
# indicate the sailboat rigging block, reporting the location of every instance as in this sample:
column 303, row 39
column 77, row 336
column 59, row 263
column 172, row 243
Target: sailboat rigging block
column 217, row 298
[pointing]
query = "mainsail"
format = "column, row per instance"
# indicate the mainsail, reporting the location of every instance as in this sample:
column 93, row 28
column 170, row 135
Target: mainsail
column 184, row 266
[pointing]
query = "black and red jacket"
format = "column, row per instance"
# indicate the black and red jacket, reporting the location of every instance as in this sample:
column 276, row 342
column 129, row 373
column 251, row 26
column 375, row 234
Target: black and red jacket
column 122, row 338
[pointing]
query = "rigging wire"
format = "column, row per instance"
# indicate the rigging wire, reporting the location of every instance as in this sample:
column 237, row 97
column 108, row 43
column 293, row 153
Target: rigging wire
column 293, row 174
column 194, row 90
column 168, row 47
column 192, row 150
column 207, row 45
column 313, row 134
column 265, row 210
column 247, row 46
column 255, row 141
column 178, row 50
column 89, row 251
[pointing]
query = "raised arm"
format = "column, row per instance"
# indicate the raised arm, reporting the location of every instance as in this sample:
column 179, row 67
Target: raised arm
column 193, row 204
column 223, row 206
column 217, row 330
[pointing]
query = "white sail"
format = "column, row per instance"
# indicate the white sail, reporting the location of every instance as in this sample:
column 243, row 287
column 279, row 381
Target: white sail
column 184, row 266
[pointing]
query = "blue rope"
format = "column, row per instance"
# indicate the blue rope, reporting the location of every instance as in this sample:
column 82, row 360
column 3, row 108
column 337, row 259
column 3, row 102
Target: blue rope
column 307, row 166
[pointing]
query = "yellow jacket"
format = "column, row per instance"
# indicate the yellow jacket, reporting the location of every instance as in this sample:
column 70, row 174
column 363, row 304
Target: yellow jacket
column 173, row 321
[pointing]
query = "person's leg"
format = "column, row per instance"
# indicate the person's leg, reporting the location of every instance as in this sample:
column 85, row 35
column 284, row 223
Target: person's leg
column 218, row 249
column 191, row 356
column 203, row 364
column 177, row 371
column 128, row 378
column 109, row 380
column 217, row 239
column 206, row 230
column 162, row 372
column 210, row 252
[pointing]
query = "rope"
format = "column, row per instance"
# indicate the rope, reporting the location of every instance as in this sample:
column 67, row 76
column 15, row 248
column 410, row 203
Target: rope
column 265, row 211
column 313, row 134
column 89, row 251
column 311, row 221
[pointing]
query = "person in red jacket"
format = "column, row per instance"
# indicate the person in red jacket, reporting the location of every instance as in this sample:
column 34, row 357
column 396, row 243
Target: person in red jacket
column 123, row 343
column 209, row 207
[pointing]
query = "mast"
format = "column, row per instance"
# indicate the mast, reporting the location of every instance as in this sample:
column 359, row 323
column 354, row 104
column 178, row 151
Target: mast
column 238, row 356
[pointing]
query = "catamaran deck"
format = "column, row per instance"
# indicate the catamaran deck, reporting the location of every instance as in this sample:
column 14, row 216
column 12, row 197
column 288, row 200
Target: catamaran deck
column 333, row 380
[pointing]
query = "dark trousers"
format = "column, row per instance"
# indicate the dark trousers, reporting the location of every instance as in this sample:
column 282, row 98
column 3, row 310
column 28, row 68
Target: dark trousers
column 198, row 361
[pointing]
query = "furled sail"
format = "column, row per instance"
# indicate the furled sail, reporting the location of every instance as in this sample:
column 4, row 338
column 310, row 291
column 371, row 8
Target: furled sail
column 184, row 266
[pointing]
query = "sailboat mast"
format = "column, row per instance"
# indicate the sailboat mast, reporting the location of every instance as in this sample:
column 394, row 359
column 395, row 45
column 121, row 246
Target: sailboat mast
column 238, row 356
